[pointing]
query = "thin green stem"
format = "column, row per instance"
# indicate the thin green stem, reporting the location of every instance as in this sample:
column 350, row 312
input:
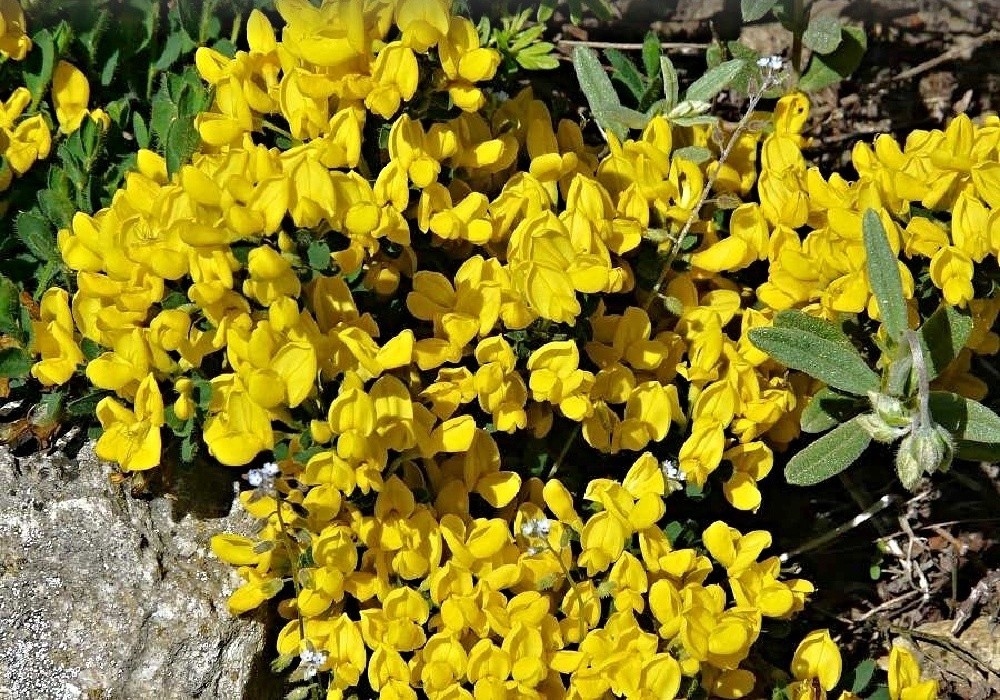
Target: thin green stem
column 565, row 449
column 706, row 190
column 278, row 130
column 293, row 559
column 798, row 15
column 923, row 380
column 572, row 583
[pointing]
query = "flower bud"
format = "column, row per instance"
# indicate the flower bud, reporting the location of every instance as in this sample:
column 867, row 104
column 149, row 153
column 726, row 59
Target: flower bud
column 890, row 409
column 927, row 449
column 880, row 429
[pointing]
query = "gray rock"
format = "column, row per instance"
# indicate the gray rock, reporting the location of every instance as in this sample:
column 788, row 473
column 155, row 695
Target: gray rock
column 106, row 596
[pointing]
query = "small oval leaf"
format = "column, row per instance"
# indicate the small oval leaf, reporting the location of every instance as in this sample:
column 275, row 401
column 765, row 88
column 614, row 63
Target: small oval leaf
column 840, row 367
column 883, row 276
column 829, row 455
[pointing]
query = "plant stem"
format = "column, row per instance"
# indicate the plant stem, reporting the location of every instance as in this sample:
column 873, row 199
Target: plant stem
column 564, row 451
column 798, row 12
column 572, row 583
column 741, row 126
column 923, row 381
column 292, row 558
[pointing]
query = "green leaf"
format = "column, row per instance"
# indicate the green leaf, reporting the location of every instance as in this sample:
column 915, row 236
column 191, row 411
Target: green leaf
column 625, row 72
column 57, row 207
column 694, row 154
column 827, row 409
column 538, row 57
column 594, row 82
column 601, row 9
column 182, row 141
column 318, row 254
column 177, row 43
column 827, row 69
column 793, row 318
column 108, row 72
column 964, row 418
column 753, row 10
column 40, row 65
column 705, row 88
column 9, row 307
column 45, row 275
column 86, row 405
column 862, row 676
column 575, row 11
column 977, row 451
column 189, row 448
column 36, row 233
column 140, row 130
column 829, row 455
column 651, row 54
column 841, row 368
column 883, row 276
column 823, row 34
column 671, row 86
column 14, row 362
column 942, row 337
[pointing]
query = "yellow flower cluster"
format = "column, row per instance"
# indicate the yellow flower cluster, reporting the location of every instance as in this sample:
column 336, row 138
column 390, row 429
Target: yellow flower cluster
column 466, row 607
column 27, row 139
column 477, row 277
column 817, row 667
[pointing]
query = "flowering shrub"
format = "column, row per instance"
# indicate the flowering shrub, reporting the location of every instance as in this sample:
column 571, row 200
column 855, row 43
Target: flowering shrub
column 468, row 357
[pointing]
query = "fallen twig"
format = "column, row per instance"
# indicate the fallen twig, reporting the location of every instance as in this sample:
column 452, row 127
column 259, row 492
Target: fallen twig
column 682, row 46
column 962, row 50
column 979, row 593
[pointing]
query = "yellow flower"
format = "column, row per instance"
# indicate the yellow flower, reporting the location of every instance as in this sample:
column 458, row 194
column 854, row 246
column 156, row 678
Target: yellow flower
column 951, row 272
column 237, row 429
column 132, row 437
column 28, row 142
column 423, row 22
column 14, row 40
column 465, row 64
column 70, row 94
column 904, row 678
column 54, row 340
column 395, row 75
column 556, row 378
column 817, row 656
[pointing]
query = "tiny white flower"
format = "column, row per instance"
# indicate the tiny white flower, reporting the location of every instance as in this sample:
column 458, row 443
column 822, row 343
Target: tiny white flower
column 774, row 63
column 310, row 662
column 271, row 469
column 534, row 549
column 543, row 526
column 528, row 528
column 255, row 477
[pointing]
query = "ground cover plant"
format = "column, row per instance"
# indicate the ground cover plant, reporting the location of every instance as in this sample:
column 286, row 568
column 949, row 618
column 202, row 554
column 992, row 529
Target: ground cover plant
column 496, row 379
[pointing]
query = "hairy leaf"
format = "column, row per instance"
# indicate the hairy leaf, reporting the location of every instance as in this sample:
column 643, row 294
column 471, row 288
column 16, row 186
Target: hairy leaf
column 826, row 69
column 883, row 276
column 625, row 72
column 823, row 34
column 14, row 362
column 793, row 318
column 753, row 10
column 651, row 54
column 671, row 86
column 827, row 409
column 840, row 367
column 716, row 80
column 964, row 418
column 594, row 82
column 829, row 455
column 942, row 337
column 37, row 235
